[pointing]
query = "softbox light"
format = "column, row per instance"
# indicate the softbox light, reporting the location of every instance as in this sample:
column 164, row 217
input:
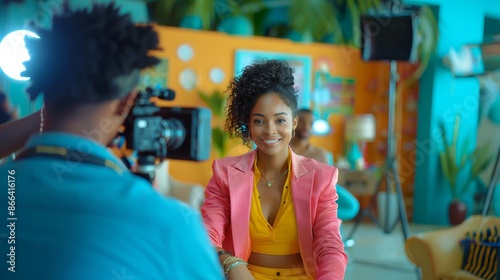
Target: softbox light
column 389, row 37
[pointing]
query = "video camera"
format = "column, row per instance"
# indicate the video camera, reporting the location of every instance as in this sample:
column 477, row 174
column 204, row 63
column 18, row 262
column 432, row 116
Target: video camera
column 158, row 133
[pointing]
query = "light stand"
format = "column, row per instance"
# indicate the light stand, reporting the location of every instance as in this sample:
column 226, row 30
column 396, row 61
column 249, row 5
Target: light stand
column 390, row 173
column 491, row 187
column 392, row 41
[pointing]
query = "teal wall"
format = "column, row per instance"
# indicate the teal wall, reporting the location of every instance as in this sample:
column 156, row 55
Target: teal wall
column 491, row 29
column 15, row 16
column 442, row 96
column 491, row 26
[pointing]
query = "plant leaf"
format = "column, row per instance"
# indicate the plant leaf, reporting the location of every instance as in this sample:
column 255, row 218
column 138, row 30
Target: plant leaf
column 481, row 158
column 477, row 160
column 250, row 7
column 428, row 30
column 205, row 97
column 218, row 141
column 448, row 159
column 167, row 12
column 220, row 100
column 446, row 169
column 215, row 101
column 363, row 6
column 316, row 17
column 205, row 10
column 356, row 25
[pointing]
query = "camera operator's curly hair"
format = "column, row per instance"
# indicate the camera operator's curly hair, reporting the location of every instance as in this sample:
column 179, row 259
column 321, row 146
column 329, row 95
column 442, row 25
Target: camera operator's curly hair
column 257, row 79
column 79, row 60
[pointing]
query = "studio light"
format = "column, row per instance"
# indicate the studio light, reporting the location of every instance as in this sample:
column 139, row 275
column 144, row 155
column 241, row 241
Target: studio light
column 13, row 53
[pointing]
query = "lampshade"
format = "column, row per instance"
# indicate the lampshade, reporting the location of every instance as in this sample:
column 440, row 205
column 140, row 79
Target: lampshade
column 360, row 128
column 320, row 127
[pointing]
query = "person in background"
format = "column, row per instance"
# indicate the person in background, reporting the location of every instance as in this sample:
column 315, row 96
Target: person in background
column 271, row 213
column 7, row 114
column 74, row 210
column 300, row 144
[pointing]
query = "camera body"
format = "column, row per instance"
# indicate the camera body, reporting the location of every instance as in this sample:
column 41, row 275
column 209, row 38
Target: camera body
column 167, row 132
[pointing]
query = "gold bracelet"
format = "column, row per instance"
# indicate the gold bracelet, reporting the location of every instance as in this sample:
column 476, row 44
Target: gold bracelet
column 229, row 259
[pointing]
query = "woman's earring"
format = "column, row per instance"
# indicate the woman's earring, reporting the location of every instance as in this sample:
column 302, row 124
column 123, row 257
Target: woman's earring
column 293, row 133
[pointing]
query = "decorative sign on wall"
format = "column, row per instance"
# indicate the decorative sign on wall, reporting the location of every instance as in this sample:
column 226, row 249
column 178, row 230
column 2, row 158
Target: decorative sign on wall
column 216, row 75
column 185, row 52
column 188, row 79
column 301, row 65
column 333, row 95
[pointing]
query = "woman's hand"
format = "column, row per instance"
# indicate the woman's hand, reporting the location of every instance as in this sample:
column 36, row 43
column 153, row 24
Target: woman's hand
column 240, row 272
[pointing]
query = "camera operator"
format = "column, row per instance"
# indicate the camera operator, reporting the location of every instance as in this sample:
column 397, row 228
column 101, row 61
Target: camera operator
column 7, row 113
column 73, row 210
column 14, row 134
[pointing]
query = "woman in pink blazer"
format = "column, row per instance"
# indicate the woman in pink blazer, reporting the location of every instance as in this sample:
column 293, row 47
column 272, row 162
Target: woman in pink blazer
column 270, row 213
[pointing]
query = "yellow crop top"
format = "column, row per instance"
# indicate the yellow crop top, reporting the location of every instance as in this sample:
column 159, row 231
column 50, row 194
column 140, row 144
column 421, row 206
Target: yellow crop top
column 282, row 239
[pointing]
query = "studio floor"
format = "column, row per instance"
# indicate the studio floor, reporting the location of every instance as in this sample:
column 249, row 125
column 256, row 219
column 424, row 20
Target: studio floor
column 379, row 255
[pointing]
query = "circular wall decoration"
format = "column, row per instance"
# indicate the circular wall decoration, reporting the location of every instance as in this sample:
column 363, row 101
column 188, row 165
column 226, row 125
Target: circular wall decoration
column 185, row 52
column 216, row 75
column 188, row 79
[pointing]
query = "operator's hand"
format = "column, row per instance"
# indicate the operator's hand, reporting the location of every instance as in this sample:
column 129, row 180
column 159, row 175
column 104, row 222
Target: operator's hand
column 124, row 107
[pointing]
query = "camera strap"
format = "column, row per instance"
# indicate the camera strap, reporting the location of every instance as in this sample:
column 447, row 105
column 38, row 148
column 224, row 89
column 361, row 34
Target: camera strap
column 68, row 155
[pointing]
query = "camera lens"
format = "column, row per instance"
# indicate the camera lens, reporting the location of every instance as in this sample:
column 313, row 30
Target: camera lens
column 174, row 133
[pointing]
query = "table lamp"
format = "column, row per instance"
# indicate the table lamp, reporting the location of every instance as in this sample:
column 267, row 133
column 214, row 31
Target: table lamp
column 359, row 129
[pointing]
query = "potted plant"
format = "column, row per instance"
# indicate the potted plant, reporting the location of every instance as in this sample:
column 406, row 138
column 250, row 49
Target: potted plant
column 461, row 168
column 216, row 101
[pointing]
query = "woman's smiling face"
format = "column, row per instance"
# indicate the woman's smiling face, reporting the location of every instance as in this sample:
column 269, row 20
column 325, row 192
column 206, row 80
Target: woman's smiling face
column 271, row 124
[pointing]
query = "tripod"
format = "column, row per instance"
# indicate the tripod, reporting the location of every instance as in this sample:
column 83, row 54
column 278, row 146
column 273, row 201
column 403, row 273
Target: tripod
column 389, row 174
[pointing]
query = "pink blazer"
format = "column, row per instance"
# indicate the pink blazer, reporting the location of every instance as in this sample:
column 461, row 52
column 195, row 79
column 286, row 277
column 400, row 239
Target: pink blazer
column 226, row 211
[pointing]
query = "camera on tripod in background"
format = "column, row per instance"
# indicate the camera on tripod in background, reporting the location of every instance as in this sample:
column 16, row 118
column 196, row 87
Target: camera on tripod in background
column 158, row 133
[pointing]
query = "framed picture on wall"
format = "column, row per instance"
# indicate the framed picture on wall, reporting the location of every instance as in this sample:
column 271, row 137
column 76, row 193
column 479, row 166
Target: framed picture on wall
column 300, row 63
column 333, row 94
column 155, row 77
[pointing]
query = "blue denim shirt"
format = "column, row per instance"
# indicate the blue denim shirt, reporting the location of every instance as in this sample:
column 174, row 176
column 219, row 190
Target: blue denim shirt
column 74, row 220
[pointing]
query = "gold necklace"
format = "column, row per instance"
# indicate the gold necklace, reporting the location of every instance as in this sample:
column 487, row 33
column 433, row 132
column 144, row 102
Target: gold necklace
column 270, row 183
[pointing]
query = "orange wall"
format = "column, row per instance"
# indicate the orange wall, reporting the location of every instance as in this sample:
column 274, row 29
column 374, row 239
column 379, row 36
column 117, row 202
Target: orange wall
column 214, row 49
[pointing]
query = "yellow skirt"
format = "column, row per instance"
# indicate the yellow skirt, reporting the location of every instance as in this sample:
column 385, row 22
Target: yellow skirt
column 268, row 273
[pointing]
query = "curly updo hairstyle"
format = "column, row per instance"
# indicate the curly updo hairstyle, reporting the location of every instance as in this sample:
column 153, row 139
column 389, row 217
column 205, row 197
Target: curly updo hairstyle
column 256, row 80
column 86, row 54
